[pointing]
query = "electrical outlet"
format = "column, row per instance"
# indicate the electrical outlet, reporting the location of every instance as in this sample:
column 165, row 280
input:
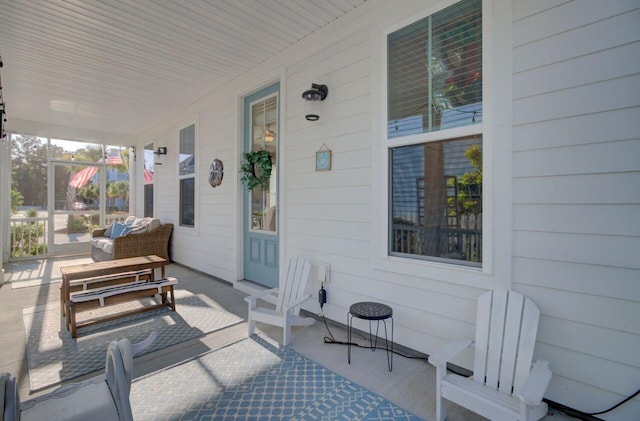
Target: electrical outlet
column 324, row 272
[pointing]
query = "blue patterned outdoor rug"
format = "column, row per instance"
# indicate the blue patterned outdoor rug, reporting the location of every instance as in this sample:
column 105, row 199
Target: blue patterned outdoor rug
column 252, row 380
column 54, row 356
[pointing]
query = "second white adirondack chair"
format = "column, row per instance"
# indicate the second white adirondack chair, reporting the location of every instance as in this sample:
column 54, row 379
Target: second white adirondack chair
column 289, row 296
column 503, row 386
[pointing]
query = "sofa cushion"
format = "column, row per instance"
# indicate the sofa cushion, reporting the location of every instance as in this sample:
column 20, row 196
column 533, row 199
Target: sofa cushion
column 108, row 231
column 142, row 229
column 154, row 223
column 103, row 243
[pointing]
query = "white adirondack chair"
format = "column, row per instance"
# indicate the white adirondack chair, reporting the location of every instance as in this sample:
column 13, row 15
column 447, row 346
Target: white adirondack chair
column 289, row 297
column 503, row 386
column 104, row 397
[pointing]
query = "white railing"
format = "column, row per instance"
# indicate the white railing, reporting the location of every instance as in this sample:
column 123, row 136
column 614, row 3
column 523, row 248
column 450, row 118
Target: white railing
column 446, row 242
column 28, row 238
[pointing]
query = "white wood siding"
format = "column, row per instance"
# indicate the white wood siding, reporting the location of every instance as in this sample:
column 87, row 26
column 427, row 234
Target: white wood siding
column 576, row 160
column 562, row 148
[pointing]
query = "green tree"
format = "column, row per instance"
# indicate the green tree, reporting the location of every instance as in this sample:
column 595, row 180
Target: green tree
column 16, row 200
column 29, row 169
column 89, row 193
column 91, row 154
column 118, row 190
column 470, row 183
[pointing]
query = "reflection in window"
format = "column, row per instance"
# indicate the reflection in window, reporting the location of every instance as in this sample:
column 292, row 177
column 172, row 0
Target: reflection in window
column 186, row 174
column 264, row 132
column 435, row 72
column 434, row 86
column 148, row 175
column 187, row 202
column 187, row 150
column 436, row 200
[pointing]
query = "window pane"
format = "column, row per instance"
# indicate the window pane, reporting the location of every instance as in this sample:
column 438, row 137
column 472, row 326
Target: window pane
column 436, row 200
column 187, row 202
column 435, row 72
column 187, row 150
column 264, row 132
column 149, row 168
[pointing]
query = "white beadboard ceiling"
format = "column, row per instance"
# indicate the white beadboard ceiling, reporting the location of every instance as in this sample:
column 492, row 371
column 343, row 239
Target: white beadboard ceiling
column 119, row 66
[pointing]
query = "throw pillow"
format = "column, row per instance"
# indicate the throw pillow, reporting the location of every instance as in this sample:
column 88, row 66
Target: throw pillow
column 116, row 231
column 126, row 230
column 130, row 219
column 107, row 233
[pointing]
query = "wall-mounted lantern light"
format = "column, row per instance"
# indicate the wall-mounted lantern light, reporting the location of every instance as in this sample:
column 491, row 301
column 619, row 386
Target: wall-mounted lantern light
column 162, row 150
column 312, row 98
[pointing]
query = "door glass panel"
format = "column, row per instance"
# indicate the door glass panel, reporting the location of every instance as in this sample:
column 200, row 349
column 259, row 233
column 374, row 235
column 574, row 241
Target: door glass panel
column 117, row 182
column 264, row 132
column 76, row 206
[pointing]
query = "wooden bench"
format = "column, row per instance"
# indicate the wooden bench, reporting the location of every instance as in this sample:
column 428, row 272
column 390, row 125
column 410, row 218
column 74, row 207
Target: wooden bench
column 115, row 294
column 102, row 281
column 73, row 273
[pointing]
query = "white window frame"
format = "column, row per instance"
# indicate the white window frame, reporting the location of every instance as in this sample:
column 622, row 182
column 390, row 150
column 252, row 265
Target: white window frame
column 193, row 175
column 496, row 52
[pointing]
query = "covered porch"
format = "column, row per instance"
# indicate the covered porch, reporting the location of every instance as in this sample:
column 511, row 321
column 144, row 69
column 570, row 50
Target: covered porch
column 410, row 386
column 420, row 154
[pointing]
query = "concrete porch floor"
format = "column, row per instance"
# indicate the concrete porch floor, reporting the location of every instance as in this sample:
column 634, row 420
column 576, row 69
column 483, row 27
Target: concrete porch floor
column 410, row 385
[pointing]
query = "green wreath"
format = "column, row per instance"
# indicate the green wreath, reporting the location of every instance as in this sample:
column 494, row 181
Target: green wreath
column 256, row 169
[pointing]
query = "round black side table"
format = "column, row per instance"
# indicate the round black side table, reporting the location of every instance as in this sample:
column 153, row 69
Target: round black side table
column 372, row 312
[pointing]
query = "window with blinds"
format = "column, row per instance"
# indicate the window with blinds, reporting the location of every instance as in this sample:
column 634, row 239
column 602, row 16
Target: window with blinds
column 186, row 175
column 435, row 71
column 434, row 87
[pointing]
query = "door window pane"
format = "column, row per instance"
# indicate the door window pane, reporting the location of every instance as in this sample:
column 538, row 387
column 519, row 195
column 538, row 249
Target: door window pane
column 264, row 135
column 436, row 200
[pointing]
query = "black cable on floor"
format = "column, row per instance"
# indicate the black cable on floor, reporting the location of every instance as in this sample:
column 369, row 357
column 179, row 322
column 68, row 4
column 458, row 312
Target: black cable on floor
column 331, row 340
column 577, row 413
column 628, row 398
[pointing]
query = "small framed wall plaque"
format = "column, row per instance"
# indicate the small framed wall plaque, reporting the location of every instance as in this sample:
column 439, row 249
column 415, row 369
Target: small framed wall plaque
column 323, row 158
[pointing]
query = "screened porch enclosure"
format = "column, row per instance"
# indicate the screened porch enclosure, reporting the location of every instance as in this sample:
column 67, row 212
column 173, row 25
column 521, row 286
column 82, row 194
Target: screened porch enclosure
column 60, row 191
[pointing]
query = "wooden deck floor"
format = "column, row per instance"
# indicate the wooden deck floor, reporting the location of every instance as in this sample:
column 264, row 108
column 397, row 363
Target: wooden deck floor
column 410, row 385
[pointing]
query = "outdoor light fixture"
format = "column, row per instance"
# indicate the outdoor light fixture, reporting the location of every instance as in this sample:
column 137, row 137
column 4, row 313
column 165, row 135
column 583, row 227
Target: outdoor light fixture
column 312, row 99
column 162, row 150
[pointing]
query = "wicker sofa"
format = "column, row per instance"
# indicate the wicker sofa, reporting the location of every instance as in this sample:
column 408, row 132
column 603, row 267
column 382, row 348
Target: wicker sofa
column 155, row 241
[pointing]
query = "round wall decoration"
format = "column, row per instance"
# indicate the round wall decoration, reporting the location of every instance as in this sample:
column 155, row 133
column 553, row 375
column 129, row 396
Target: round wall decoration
column 216, row 171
